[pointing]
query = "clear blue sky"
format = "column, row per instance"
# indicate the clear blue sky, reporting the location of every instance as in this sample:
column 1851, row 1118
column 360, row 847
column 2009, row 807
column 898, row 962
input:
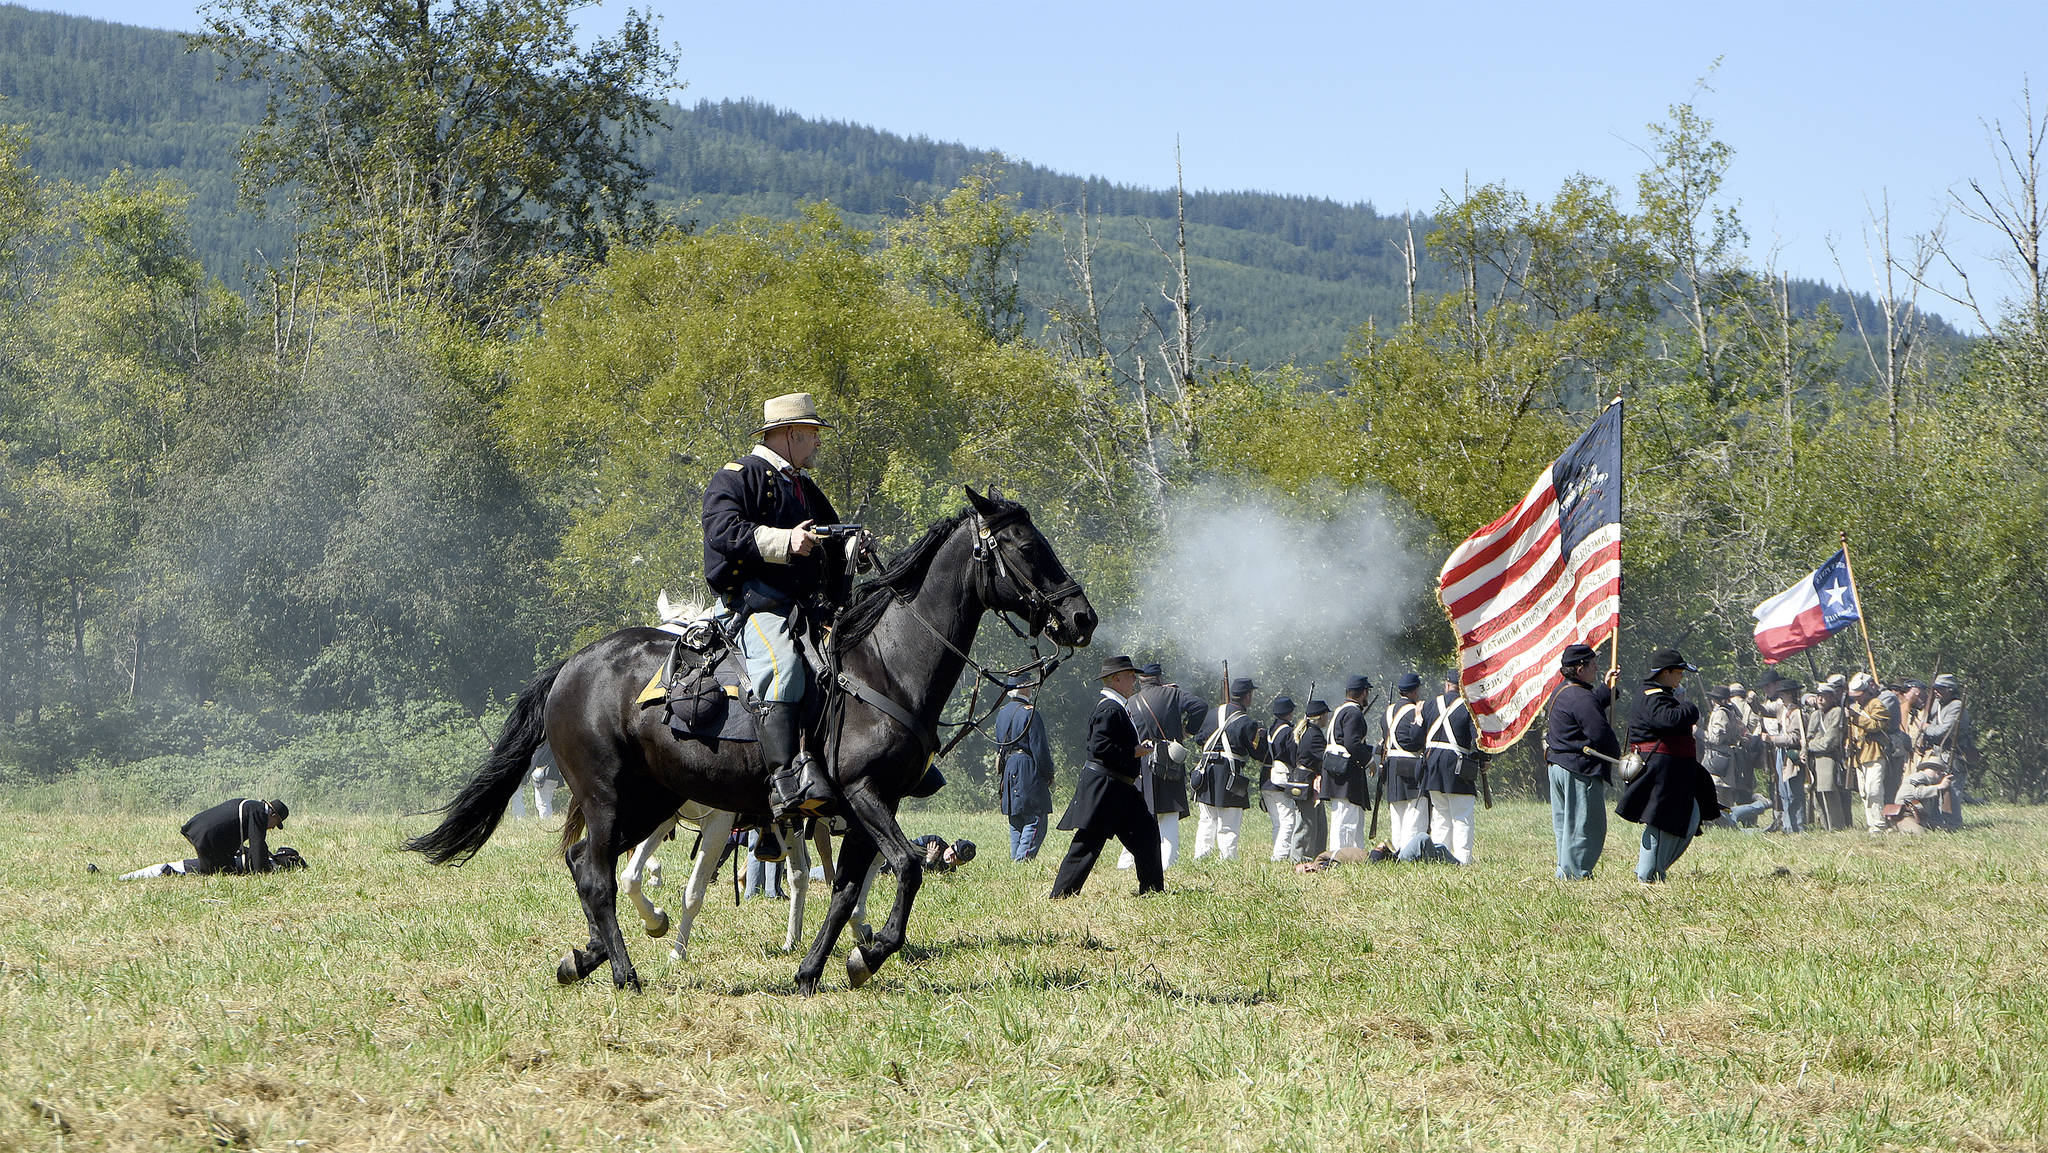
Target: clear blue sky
column 1826, row 105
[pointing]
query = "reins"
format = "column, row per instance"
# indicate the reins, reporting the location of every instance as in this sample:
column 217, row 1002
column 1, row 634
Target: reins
column 990, row 564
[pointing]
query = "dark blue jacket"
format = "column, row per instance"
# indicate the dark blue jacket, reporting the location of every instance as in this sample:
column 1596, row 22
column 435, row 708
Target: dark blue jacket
column 1025, row 761
column 747, row 494
column 217, row 834
column 1672, row 783
column 1578, row 717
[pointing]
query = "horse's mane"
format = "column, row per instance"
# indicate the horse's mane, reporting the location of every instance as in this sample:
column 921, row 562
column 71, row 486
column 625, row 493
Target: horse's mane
column 904, row 573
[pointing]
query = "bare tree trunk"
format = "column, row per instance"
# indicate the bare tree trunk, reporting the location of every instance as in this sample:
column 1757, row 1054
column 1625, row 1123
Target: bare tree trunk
column 1408, row 262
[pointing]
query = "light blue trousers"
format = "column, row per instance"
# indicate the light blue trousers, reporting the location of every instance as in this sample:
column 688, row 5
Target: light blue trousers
column 774, row 667
column 1578, row 815
column 1660, row 849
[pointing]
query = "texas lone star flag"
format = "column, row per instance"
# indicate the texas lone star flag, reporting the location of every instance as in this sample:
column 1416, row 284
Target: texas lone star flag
column 1546, row 575
column 1816, row 607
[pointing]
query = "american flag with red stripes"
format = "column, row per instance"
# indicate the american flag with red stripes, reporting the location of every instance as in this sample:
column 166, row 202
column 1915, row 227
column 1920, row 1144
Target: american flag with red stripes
column 1546, row 575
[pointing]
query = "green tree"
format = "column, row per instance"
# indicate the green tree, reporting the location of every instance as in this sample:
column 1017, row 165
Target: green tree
column 437, row 147
column 967, row 248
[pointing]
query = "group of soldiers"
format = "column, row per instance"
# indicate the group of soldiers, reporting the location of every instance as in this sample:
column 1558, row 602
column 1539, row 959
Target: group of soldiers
column 1812, row 756
column 1316, row 769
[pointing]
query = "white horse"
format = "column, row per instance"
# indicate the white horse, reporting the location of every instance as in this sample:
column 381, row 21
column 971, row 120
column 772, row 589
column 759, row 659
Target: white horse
column 715, row 828
column 715, row 825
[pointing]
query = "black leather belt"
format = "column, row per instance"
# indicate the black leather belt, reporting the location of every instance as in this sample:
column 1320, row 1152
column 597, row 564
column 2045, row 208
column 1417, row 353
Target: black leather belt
column 1097, row 767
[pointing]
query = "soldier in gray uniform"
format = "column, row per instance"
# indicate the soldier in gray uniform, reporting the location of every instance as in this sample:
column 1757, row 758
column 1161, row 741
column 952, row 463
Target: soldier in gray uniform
column 1720, row 733
column 1947, row 743
column 1827, row 737
column 1168, row 716
column 1784, row 734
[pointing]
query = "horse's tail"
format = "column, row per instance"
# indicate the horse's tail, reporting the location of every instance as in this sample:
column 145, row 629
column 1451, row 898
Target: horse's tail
column 475, row 812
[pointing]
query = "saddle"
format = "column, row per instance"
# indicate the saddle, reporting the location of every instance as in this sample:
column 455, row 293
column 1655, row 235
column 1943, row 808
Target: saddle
column 699, row 688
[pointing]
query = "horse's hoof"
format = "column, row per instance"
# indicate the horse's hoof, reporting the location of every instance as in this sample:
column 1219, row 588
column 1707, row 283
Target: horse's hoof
column 658, row 929
column 857, row 968
column 627, row 980
column 808, row 986
column 679, row 956
column 864, row 933
column 568, row 972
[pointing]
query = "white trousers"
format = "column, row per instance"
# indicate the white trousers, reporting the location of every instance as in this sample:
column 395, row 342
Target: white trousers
column 1410, row 820
column 1216, row 830
column 1286, row 819
column 1870, row 783
column 1450, row 823
column 1347, row 826
column 1169, row 844
column 543, row 795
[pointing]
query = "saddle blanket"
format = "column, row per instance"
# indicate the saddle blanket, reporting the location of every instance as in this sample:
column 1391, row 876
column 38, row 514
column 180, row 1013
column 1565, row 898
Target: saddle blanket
column 700, row 707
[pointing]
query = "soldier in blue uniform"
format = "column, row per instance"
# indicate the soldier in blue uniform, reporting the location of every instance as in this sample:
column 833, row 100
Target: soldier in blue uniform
column 1273, row 789
column 1024, row 767
column 1673, row 798
column 1347, row 780
column 1450, row 770
column 1311, row 743
column 1407, row 740
column 1578, row 781
column 1233, row 755
column 773, row 576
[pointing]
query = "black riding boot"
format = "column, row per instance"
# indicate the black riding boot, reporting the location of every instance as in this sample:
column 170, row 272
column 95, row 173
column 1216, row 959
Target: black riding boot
column 798, row 785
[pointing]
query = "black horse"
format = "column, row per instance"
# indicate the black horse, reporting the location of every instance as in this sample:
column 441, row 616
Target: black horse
column 902, row 644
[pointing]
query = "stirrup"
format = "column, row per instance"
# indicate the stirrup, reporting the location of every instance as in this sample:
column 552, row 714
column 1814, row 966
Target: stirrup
column 802, row 793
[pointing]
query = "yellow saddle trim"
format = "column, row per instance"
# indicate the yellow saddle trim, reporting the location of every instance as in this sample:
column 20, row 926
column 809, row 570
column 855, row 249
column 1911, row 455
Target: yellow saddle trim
column 653, row 692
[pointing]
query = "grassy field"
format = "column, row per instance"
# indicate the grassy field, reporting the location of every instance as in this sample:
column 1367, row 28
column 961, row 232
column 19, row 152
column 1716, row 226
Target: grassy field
column 1820, row 992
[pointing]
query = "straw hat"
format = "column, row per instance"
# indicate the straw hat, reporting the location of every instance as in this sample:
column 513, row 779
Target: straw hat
column 790, row 408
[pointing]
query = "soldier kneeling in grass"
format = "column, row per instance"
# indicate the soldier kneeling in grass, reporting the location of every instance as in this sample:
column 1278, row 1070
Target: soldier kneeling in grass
column 230, row 838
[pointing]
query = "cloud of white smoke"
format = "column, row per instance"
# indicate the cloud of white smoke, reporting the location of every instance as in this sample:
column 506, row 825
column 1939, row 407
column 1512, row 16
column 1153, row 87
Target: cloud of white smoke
column 1287, row 591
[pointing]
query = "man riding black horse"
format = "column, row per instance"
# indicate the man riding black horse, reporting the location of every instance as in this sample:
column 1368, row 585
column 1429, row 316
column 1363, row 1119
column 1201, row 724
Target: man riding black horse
column 774, row 578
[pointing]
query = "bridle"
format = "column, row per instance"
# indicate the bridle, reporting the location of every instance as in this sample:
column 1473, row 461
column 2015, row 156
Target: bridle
column 992, row 568
column 991, row 571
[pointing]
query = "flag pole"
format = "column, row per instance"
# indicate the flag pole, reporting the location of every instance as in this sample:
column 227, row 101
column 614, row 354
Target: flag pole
column 1861, row 624
column 1614, row 638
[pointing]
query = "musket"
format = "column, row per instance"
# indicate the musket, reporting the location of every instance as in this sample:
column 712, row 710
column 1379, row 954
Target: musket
column 1379, row 781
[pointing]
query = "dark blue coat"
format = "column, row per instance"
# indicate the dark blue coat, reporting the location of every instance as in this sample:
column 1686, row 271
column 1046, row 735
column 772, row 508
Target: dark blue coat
column 1349, row 778
column 217, row 834
column 1578, row 717
column 1107, row 794
column 1165, row 713
column 1024, row 760
column 1405, row 746
column 1218, row 782
column 747, row 494
column 1447, row 721
column 1671, row 783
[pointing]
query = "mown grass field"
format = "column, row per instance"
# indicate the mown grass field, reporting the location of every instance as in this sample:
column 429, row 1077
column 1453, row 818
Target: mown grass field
column 1820, row 992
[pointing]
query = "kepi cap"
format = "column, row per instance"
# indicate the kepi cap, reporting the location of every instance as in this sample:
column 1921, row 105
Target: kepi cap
column 1408, row 683
column 1357, row 682
column 1241, row 686
column 1576, row 655
column 1283, row 706
column 1664, row 659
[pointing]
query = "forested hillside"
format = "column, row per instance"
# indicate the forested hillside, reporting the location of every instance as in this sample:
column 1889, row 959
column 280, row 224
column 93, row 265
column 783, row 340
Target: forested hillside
column 1281, row 278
